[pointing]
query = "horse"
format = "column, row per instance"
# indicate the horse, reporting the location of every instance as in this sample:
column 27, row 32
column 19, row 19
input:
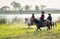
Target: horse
column 29, row 22
column 39, row 25
column 26, row 20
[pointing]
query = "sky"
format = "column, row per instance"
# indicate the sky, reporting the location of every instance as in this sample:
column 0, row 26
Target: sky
column 49, row 3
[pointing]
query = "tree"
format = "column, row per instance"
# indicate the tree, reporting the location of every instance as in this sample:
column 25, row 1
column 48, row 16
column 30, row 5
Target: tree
column 16, row 5
column 27, row 8
column 36, row 8
column 5, row 8
column 42, row 6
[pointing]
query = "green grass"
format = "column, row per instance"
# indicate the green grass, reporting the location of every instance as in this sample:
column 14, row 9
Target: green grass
column 21, row 31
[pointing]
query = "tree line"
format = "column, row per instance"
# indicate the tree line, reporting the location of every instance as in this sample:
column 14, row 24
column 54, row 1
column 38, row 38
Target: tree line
column 17, row 6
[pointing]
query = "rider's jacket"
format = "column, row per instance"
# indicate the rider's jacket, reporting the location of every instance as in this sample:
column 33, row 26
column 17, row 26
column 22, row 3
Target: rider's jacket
column 33, row 16
column 42, row 17
column 49, row 18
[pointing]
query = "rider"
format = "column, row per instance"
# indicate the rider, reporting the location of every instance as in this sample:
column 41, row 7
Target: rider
column 33, row 16
column 42, row 17
column 49, row 18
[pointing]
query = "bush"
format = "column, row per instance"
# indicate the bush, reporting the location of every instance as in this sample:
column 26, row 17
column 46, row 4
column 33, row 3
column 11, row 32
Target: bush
column 2, row 19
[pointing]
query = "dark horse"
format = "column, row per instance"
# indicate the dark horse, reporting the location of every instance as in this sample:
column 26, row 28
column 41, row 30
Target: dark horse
column 39, row 25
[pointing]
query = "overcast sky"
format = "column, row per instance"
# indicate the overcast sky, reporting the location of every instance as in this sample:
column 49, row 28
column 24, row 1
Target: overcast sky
column 49, row 3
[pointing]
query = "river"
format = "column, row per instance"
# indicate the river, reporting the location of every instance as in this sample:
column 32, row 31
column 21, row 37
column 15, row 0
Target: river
column 8, row 16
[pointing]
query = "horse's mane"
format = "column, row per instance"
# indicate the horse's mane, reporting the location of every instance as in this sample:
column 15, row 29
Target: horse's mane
column 36, row 21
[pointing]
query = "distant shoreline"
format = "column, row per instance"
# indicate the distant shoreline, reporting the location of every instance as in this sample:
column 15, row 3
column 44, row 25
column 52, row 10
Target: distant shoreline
column 28, row 12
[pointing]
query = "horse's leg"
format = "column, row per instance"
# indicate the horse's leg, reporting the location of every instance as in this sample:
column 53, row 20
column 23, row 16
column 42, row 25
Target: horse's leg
column 51, row 26
column 29, row 25
column 55, row 24
column 37, row 29
column 48, row 28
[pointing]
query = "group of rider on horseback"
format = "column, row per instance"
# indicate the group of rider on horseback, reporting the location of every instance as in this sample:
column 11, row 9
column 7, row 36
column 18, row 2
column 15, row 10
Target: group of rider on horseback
column 42, row 22
column 49, row 18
